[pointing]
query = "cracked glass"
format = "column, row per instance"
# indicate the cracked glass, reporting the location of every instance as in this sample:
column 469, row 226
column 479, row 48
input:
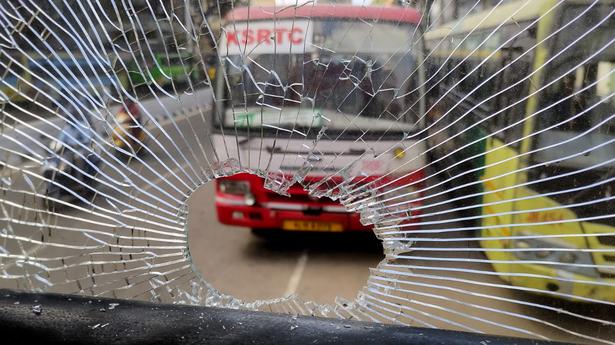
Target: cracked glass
column 473, row 138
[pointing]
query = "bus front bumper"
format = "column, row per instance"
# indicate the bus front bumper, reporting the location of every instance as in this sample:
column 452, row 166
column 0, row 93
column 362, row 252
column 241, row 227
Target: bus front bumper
column 262, row 217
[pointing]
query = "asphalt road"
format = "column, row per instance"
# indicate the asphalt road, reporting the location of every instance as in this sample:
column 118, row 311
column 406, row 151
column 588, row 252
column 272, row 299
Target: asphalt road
column 317, row 267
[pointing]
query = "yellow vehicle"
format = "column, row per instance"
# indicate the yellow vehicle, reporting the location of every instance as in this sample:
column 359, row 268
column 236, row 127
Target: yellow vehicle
column 523, row 120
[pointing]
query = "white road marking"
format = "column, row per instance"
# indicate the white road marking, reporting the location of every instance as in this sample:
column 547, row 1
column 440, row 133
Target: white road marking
column 295, row 278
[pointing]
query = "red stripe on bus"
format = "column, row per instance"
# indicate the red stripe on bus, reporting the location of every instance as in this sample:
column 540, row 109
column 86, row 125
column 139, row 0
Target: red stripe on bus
column 388, row 14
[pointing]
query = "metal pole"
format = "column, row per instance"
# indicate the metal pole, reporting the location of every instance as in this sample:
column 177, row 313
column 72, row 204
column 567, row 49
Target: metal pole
column 188, row 23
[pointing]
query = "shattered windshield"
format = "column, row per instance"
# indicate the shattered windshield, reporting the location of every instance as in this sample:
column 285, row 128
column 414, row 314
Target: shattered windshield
column 438, row 164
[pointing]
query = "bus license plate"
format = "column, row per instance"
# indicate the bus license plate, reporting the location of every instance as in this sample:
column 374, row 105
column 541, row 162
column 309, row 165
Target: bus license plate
column 303, row 225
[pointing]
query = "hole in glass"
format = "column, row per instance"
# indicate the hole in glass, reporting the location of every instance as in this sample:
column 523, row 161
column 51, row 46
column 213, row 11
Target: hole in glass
column 262, row 264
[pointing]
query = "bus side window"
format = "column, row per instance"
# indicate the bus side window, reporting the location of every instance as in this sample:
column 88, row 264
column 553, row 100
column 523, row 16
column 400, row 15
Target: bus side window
column 476, row 70
column 454, row 69
column 516, row 79
column 486, row 72
column 471, row 51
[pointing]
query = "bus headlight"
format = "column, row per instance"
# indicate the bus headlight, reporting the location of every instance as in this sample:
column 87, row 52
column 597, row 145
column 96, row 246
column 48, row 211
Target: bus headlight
column 234, row 187
column 547, row 250
column 568, row 257
column 249, row 199
column 238, row 187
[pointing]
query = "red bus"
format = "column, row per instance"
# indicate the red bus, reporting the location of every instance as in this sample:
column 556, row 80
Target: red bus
column 329, row 96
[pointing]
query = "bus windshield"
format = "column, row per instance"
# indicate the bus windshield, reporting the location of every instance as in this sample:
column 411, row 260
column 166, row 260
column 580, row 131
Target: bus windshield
column 346, row 75
column 578, row 147
column 582, row 100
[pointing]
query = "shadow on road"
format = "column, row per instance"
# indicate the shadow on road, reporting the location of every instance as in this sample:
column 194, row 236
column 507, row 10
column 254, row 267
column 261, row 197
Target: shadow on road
column 282, row 241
